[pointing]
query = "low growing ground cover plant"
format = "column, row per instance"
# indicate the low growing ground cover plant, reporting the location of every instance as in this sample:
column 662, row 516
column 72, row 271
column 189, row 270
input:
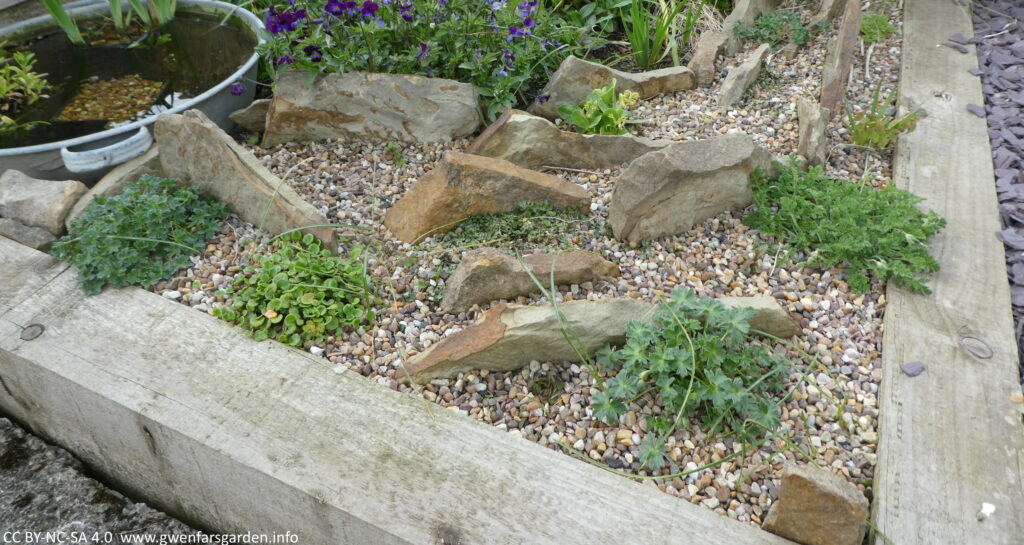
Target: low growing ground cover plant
column 141, row 236
column 602, row 112
column 878, row 127
column 502, row 47
column 536, row 224
column 701, row 359
column 875, row 27
column 776, row 28
column 879, row 233
column 301, row 293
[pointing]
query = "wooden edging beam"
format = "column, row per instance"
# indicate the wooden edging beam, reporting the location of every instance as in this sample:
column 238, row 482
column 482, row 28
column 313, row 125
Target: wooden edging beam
column 951, row 453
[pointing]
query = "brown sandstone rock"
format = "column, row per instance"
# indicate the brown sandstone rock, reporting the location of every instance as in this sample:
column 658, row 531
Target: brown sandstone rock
column 817, row 507
column 771, row 318
column 840, row 59
column 741, row 77
column 253, row 117
column 38, row 203
column 710, row 45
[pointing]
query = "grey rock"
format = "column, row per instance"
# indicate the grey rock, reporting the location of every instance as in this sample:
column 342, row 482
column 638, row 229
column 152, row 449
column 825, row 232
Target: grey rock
column 710, row 45
column 196, row 151
column 743, row 76
column 745, row 12
column 771, row 318
column 253, row 117
column 359, row 105
column 817, row 507
column 576, row 78
column 667, row 192
column 508, row 337
column 113, row 182
column 912, row 368
column 789, row 51
column 813, row 122
column 533, row 142
column 488, row 274
column 839, row 59
column 33, row 237
column 830, row 9
column 38, row 203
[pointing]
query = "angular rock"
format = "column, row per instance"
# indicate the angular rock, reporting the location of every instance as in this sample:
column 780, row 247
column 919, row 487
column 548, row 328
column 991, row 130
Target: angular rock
column 576, row 78
column 196, row 151
column 114, row 181
column 358, row 105
column 463, row 184
column 710, row 45
column 744, row 12
column 33, row 237
column 771, row 318
column 839, row 59
column 743, row 76
column 38, row 203
column 830, row 9
column 510, row 336
column 817, row 507
column 813, row 122
column 789, row 51
column 533, row 142
column 253, row 117
column 488, row 274
column 668, row 191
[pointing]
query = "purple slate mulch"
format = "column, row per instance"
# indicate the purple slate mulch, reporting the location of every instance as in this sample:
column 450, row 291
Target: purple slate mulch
column 999, row 36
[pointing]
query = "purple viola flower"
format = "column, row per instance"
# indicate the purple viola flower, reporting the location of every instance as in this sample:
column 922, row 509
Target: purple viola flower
column 270, row 21
column 498, row 5
column 334, row 7
column 424, row 50
column 237, row 88
column 541, row 99
column 369, row 9
column 314, row 52
column 528, row 23
column 503, row 73
column 527, row 8
column 516, row 32
column 284, row 59
column 406, row 11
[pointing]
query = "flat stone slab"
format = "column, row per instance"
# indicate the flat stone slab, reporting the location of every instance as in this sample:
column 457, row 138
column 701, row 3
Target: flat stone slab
column 741, row 77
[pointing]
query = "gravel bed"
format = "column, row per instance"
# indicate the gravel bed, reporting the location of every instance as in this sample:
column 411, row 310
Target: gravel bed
column 832, row 414
column 1000, row 47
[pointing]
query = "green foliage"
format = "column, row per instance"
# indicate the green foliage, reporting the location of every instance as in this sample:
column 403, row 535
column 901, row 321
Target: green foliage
column 153, row 14
column 141, row 236
column 877, row 232
column 540, row 224
column 19, row 87
column 879, row 126
column 776, row 28
column 651, row 34
column 587, row 14
column 700, row 358
column 875, row 28
column 301, row 293
column 395, row 151
column 64, row 20
column 602, row 112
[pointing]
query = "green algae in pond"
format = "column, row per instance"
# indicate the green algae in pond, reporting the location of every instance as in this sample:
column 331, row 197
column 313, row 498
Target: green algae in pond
column 189, row 55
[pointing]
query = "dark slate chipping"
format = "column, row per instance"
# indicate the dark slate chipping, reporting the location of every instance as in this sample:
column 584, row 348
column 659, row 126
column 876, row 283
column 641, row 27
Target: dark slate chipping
column 957, row 47
column 912, row 368
column 999, row 36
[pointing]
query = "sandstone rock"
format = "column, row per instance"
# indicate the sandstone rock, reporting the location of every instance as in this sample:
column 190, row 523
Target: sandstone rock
column 253, row 117
column 463, row 184
column 771, row 318
column 830, row 9
column 358, row 105
column 744, row 12
column 533, row 142
column 839, row 59
column 710, row 45
column 196, row 151
column 813, row 122
column 817, row 507
column 114, row 181
column 38, row 203
column 33, row 237
column 668, row 191
column 487, row 274
column 510, row 336
column 576, row 78
column 789, row 51
column 743, row 76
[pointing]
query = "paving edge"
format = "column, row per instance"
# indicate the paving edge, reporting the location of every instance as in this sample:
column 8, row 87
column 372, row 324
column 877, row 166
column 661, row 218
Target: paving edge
column 951, row 439
column 185, row 412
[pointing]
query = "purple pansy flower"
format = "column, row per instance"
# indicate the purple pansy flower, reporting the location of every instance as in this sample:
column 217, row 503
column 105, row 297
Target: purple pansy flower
column 237, row 88
column 527, row 8
column 314, row 52
column 528, row 23
column 284, row 59
column 406, row 11
column 424, row 49
column 369, row 9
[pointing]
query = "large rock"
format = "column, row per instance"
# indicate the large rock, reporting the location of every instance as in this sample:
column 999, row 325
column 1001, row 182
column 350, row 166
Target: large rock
column 839, row 59
column 253, row 117
column 771, row 318
column 33, row 237
column 533, row 142
column 817, row 507
column 744, row 12
column 356, row 106
column 813, row 121
column 741, row 77
column 668, row 191
column 196, row 151
column 830, row 9
column 508, row 337
column 38, row 203
column 576, row 78
column 113, row 182
column 463, row 184
column 710, row 45
column 488, row 274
